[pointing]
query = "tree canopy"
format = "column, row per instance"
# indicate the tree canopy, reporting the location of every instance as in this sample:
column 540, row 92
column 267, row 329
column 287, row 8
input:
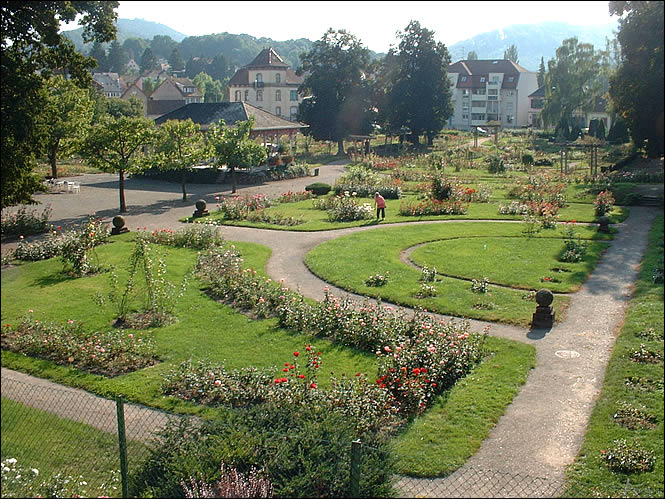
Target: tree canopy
column 636, row 89
column 511, row 54
column 418, row 94
column 32, row 49
column 234, row 148
column 338, row 100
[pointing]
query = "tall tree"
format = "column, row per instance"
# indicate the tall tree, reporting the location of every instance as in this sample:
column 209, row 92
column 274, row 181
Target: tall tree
column 419, row 96
column 234, row 148
column 162, row 46
column 115, row 145
column 219, row 68
column 98, row 52
column 67, row 114
column 338, row 102
column 472, row 56
column 636, row 89
column 195, row 66
column 179, row 145
column 148, row 61
column 571, row 81
column 117, row 58
column 511, row 54
column 135, row 47
column 32, row 49
column 541, row 73
column 176, row 61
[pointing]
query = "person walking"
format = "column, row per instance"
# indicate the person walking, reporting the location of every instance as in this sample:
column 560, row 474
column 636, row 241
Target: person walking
column 380, row 206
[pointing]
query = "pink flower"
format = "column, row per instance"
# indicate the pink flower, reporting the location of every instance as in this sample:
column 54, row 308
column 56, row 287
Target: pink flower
column 218, row 382
column 130, row 335
column 30, row 310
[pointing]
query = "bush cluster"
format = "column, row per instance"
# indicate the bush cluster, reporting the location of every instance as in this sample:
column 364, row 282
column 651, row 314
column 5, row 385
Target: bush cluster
column 25, row 222
column 604, row 203
column 377, row 280
column 575, row 247
column 293, row 197
column 199, row 236
column 433, row 207
column 238, row 207
column 344, row 208
column 108, row 353
column 623, row 457
column 318, row 188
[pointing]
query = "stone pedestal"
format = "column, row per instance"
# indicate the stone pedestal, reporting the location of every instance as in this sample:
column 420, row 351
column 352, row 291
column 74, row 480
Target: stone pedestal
column 118, row 226
column 603, row 224
column 200, row 209
column 544, row 315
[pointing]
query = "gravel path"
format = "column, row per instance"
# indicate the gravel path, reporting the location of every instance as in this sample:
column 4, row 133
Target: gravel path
column 542, row 430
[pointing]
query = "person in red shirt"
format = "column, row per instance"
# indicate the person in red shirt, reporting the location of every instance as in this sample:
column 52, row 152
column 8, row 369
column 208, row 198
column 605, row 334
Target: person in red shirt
column 380, row 206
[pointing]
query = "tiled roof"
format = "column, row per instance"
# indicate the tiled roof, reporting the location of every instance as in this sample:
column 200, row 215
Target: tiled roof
column 476, row 69
column 267, row 58
column 538, row 93
column 110, row 81
column 230, row 112
column 162, row 107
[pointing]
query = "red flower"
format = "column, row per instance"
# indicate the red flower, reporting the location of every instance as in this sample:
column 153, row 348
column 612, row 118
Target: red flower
column 301, row 376
column 296, row 354
column 277, row 381
column 312, row 385
column 286, row 369
column 284, row 380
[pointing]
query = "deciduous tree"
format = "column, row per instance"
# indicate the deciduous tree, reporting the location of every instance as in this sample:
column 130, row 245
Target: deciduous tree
column 117, row 58
column 179, row 145
column 419, row 96
column 338, row 94
column 115, row 145
column 234, row 148
column 148, row 61
column 32, row 49
column 511, row 54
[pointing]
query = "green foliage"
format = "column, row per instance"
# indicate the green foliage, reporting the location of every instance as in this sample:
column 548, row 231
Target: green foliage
column 31, row 49
column 24, row 223
column 148, row 61
column 117, row 58
column 417, row 94
column 636, row 88
column 495, row 164
column 511, row 54
column 339, row 102
column 318, row 188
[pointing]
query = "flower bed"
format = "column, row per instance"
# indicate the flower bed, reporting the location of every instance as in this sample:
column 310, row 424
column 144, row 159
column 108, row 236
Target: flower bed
column 199, row 236
column 238, row 207
column 434, row 207
column 108, row 353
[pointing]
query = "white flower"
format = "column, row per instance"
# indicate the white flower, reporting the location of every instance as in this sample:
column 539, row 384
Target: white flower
column 35, row 471
column 11, row 460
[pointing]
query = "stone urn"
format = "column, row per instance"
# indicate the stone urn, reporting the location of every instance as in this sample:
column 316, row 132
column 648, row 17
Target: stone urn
column 118, row 225
column 604, row 224
column 544, row 315
column 200, row 209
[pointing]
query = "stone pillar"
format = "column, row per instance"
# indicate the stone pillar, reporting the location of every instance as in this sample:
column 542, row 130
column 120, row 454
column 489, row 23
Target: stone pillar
column 118, row 225
column 544, row 315
column 200, row 209
column 603, row 224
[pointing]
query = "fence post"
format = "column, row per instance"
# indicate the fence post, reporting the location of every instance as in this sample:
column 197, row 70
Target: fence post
column 355, row 468
column 122, row 444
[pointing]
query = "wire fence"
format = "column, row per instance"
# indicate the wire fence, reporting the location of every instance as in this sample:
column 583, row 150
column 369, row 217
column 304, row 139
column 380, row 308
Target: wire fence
column 62, row 442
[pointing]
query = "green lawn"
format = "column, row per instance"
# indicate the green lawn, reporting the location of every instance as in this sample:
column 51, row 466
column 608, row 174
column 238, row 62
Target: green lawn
column 588, row 476
column 348, row 261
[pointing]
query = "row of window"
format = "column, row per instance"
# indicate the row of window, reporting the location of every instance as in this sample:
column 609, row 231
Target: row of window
column 259, row 78
column 293, row 95
column 487, row 117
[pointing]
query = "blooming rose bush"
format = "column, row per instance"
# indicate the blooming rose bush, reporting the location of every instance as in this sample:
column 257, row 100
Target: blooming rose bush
column 25, row 221
column 604, row 203
column 377, row 280
column 293, row 197
column 238, row 207
column 199, row 236
column 433, row 207
column 108, row 353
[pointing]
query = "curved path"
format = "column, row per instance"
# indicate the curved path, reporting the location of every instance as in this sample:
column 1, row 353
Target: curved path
column 542, row 430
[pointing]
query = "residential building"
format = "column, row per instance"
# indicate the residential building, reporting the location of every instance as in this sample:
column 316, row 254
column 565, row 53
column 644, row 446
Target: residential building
column 172, row 94
column 132, row 66
column 135, row 91
column 581, row 116
column 113, row 84
column 268, row 83
column 490, row 90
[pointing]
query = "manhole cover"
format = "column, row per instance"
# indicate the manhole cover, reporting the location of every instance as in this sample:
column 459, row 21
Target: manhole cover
column 567, row 354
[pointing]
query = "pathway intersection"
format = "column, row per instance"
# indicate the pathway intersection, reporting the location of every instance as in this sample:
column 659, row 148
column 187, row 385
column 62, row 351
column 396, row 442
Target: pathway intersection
column 542, row 430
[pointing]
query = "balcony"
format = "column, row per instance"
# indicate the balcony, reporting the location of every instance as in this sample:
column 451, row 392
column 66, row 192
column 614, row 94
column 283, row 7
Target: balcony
column 258, row 84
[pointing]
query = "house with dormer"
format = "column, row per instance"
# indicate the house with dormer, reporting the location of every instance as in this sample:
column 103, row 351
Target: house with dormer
column 172, row 94
column 135, row 91
column 268, row 83
column 495, row 90
column 113, row 85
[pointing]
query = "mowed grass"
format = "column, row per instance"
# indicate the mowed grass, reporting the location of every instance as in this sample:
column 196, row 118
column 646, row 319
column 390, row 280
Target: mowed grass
column 209, row 330
column 588, row 476
column 348, row 261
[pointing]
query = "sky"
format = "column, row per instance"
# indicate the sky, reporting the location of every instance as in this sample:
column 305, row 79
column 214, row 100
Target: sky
column 374, row 23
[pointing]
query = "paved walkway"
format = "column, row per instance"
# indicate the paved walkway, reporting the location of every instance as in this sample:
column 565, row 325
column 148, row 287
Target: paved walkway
column 542, row 430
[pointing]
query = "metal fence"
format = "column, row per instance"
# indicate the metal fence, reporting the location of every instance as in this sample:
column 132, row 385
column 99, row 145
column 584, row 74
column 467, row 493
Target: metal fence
column 58, row 441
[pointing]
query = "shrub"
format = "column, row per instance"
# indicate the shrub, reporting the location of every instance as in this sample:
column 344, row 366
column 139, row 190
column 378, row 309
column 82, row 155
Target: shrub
column 271, row 439
column 199, row 236
column 108, row 353
column 294, row 170
column 480, row 286
column 318, row 188
column 527, row 159
column 231, row 484
column 634, row 418
column 604, row 203
column 426, row 290
column 76, row 246
column 25, row 222
column 378, row 280
column 293, row 197
column 575, row 247
column 623, row 457
column 645, row 356
column 347, row 209
column 442, row 188
column 238, row 207
column 273, row 219
column 433, row 207
column 428, row 274
column 495, row 164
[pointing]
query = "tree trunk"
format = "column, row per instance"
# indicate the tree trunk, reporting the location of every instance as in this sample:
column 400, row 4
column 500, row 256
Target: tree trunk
column 52, row 156
column 121, row 177
column 340, row 147
column 234, row 181
column 430, row 140
column 184, row 190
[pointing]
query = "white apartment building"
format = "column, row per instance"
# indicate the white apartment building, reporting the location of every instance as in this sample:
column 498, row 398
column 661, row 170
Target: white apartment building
column 269, row 84
column 490, row 90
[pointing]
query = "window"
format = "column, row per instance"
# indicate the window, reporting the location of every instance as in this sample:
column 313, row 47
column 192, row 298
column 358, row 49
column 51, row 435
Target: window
column 238, row 95
column 463, row 78
column 465, row 116
column 278, row 78
column 278, row 95
column 509, row 118
column 482, row 79
column 493, row 107
column 246, row 95
column 465, row 91
column 465, row 107
column 478, row 116
column 294, row 95
column 509, row 106
column 496, row 78
column 294, row 112
column 259, row 77
column 479, row 91
column 479, row 103
column 278, row 111
column 493, row 91
column 511, row 78
column 259, row 95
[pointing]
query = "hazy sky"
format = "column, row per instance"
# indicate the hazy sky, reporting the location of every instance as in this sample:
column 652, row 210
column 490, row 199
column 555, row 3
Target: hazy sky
column 374, row 23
